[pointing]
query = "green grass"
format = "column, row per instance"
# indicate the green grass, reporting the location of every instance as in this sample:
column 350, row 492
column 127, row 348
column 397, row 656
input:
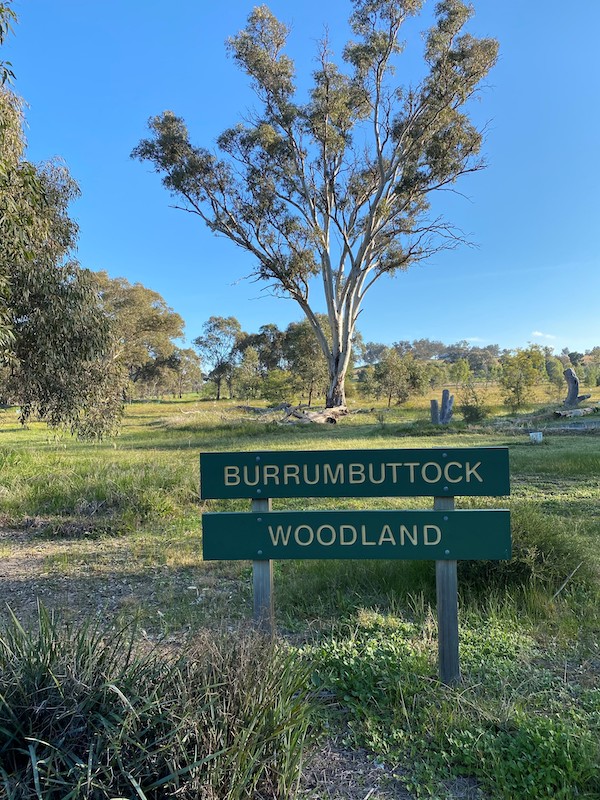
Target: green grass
column 113, row 530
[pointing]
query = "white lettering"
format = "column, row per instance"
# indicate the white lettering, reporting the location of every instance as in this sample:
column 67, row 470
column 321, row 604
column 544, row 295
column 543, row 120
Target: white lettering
column 363, row 533
column 271, row 471
column 473, row 471
column 356, row 473
column 394, row 467
column 332, row 532
column 426, row 529
column 438, row 472
column 381, row 473
column 411, row 468
column 311, row 535
column 386, row 535
column 406, row 534
column 333, row 475
column 447, row 472
column 279, row 535
column 352, row 532
column 232, row 476
column 316, row 474
column 247, row 480
column 291, row 471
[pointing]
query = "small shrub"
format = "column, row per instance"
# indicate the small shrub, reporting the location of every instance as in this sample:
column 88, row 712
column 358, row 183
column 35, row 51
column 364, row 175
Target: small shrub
column 471, row 405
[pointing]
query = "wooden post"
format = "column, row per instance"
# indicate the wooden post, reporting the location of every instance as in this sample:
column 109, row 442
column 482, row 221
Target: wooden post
column 447, row 609
column 262, row 581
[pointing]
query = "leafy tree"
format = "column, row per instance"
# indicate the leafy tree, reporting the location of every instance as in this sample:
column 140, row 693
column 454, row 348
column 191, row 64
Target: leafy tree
column 373, row 351
column 520, row 371
column 268, row 343
column 424, row 349
column 218, row 346
column 397, row 377
column 279, row 386
column 7, row 18
column 436, row 373
column 305, row 359
column 337, row 187
column 460, row 372
column 54, row 336
column 554, row 372
column 188, row 370
column 248, row 374
column 143, row 329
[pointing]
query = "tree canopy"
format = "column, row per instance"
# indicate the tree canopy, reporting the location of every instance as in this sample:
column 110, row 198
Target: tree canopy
column 337, row 187
column 143, row 327
column 54, row 335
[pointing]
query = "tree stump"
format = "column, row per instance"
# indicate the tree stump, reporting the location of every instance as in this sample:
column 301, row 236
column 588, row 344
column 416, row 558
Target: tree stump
column 444, row 416
column 573, row 396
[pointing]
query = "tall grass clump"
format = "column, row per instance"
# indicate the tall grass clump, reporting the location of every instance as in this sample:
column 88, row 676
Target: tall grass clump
column 546, row 553
column 83, row 714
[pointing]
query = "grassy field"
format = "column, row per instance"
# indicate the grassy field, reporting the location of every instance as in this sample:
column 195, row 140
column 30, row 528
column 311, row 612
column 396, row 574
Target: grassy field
column 112, row 532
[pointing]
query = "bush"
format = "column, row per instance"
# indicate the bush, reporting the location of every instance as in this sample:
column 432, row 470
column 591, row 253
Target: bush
column 471, row 404
column 83, row 715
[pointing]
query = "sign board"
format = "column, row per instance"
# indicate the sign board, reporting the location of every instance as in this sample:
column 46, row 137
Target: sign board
column 449, row 472
column 443, row 534
column 431, row 535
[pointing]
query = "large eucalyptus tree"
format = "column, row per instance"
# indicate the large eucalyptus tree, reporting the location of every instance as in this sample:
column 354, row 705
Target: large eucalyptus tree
column 335, row 191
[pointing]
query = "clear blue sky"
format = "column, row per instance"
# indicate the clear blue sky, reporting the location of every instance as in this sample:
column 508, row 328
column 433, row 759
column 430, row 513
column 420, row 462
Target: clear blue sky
column 93, row 73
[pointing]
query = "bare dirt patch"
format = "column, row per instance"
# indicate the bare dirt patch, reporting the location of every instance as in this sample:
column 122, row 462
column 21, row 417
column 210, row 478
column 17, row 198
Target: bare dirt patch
column 101, row 578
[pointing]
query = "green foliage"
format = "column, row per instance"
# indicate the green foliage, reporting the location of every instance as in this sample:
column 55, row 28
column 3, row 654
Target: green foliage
column 525, row 720
column 490, row 728
column 520, row 371
column 337, row 186
column 375, row 670
column 459, row 372
column 84, row 715
column 305, row 358
column 218, row 346
column 142, row 329
column 54, row 336
column 397, row 377
column 471, row 404
column 7, row 18
column 529, row 757
column 279, row 386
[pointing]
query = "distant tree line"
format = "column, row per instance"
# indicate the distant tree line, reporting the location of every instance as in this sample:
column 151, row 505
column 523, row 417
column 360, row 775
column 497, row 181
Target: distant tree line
column 288, row 366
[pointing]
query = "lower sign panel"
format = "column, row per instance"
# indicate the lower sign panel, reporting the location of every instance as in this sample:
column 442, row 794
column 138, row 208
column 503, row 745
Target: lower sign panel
column 431, row 535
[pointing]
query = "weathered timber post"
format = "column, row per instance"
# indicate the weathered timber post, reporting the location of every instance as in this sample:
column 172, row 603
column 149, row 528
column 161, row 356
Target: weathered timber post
column 573, row 396
column 446, row 584
column 444, row 416
column 262, row 581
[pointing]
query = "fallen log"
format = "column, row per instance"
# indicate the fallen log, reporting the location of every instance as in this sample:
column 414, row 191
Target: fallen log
column 263, row 409
column 576, row 412
column 330, row 416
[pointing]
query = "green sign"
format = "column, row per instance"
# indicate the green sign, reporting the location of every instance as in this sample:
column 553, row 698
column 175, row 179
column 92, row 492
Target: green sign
column 436, row 535
column 434, row 472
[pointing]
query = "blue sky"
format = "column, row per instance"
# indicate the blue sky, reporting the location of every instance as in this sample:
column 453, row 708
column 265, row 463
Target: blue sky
column 93, row 73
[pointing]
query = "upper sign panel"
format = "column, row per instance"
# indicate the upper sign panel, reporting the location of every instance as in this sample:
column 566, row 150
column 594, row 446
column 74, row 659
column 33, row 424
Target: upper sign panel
column 438, row 472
